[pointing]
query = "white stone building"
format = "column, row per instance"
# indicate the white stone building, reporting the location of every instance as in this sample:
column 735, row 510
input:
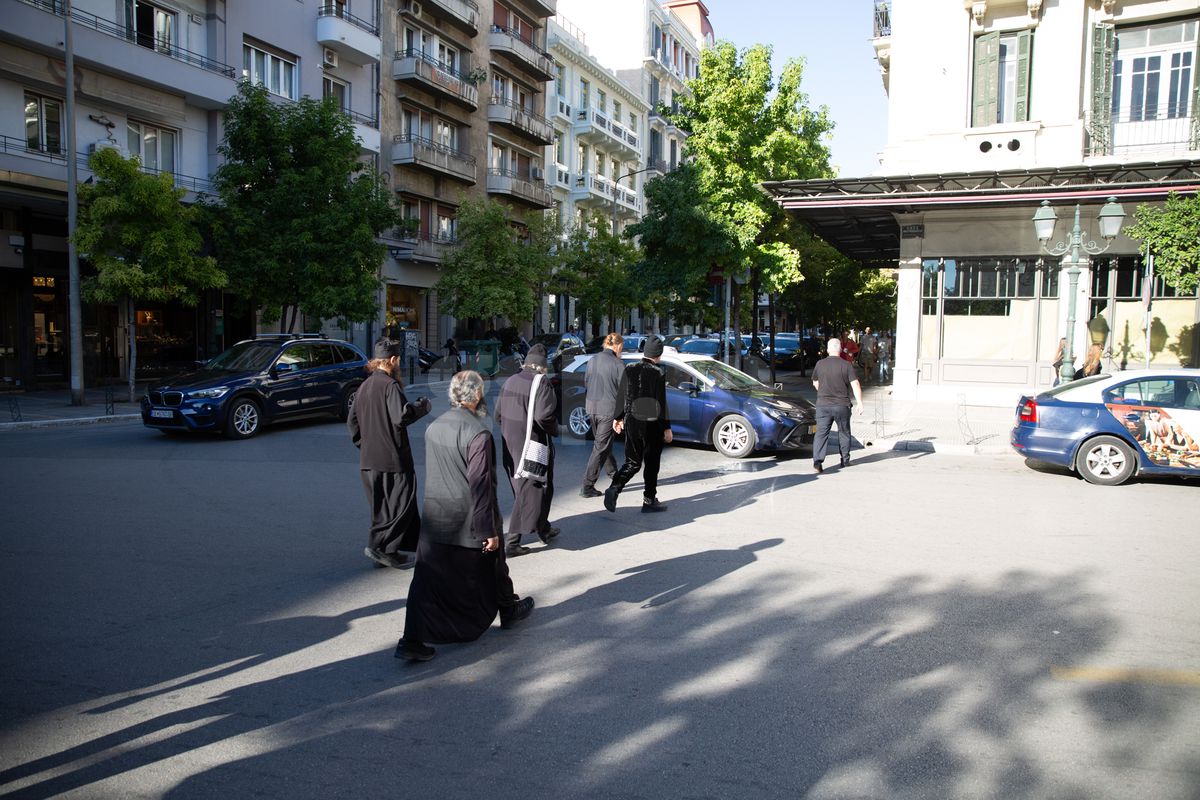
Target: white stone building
column 994, row 107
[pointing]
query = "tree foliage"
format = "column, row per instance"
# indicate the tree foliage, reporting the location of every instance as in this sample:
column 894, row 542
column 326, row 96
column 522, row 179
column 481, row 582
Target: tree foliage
column 597, row 264
column 142, row 241
column 838, row 292
column 1172, row 232
column 299, row 213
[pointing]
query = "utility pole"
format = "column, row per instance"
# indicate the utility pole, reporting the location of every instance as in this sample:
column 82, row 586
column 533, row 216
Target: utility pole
column 74, row 301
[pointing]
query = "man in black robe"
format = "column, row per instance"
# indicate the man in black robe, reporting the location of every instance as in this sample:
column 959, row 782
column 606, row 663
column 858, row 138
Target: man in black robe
column 531, row 508
column 378, row 423
column 602, row 381
column 641, row 412
column 461, row 579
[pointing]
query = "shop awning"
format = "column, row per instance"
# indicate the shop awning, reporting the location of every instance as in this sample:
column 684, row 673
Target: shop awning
column 857, row 215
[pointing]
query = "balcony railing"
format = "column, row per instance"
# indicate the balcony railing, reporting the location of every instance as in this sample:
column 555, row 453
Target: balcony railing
column 507, row 40
column 339, row 10
column 612, row 130
column 19, row 147
column 361, row 118
column 883, row 18
column 654, row 164
column 465, row 12
column 433, row 74
column 127, row 33
column 515, row 184
column 409, row 149
column 507, row 112
column 1134, row 134
column 420, row 246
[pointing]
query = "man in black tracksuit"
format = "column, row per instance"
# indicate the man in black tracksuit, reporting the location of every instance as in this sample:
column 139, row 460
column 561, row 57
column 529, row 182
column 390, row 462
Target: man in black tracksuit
column 641, row 412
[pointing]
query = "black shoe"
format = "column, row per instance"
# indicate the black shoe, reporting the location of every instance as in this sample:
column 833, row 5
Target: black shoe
column 610, row 498
column 414, row 651
column 590, row 491
column 515, row 613
column 549, row 535
column 649, row 506
column 817, row 468
column 386, row 559
column 845, row 463
column 516, row 550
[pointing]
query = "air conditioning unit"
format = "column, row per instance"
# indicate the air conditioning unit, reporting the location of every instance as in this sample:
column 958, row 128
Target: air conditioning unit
column 329, row 58
column 415, row 9
column 537, row 173
column 103, row 144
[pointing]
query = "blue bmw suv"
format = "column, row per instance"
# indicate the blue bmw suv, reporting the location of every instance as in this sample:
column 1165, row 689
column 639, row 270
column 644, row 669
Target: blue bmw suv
column 256, row 382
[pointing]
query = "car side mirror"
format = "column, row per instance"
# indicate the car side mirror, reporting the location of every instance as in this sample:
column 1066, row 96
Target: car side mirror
column 689, row 387
column 282, row 369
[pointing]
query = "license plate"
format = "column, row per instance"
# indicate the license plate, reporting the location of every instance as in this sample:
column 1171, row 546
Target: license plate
column 162, row 413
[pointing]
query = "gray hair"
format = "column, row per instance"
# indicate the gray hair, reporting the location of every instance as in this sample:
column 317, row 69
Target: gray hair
column 465, row 388
column 834, row 347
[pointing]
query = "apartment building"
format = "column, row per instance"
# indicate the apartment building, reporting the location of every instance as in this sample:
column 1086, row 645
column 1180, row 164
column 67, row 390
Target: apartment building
column 996, row 107
column 654, row 46
column 464, row 115
column 152, row 79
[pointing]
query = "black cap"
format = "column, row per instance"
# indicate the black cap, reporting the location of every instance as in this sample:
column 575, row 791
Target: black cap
column 654, row 347
column 386, row 348
column 536, row 356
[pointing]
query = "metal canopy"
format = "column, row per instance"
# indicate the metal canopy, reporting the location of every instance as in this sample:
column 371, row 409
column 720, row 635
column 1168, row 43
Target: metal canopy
column 857, row 215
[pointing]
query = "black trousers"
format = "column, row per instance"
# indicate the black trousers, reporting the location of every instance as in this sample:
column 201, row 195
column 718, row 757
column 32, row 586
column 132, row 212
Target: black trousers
column 643, row 447
column 826, row 417
column 602, row 429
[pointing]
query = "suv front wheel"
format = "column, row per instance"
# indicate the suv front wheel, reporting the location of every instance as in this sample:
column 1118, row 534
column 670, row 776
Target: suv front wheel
column 245, row 418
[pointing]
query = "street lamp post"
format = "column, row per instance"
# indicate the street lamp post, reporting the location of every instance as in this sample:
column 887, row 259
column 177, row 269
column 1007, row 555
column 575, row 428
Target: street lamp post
column 1110, row 218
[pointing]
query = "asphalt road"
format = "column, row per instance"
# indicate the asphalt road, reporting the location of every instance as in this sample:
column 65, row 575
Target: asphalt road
column 195, row 618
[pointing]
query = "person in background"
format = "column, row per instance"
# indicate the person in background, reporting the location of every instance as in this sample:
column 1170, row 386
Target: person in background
column 641, row 413
column 885, row 358
column 1059, row 355
column 460, row 581
column 868, row 353
column 834, row 379
column 849, row 351
column 602, row 381
column 378, row 425
column 1091, row 365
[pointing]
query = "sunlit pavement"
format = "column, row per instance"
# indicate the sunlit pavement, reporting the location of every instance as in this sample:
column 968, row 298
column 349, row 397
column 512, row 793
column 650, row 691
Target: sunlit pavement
column 195, row 618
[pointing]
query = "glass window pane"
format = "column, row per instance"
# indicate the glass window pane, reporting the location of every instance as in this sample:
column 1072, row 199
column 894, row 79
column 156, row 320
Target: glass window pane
column 166, row 147
column 33, row 123
column 133, row 139
column 53, row 126
column 289, row 80
column 150, row 148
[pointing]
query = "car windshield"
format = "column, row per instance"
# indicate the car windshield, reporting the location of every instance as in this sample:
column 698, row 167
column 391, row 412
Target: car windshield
column 725, row 376
column 245, row 357
column 706, row 347
column 1062, row 387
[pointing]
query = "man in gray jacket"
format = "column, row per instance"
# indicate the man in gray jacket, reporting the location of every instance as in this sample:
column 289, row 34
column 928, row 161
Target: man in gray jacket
column 601, row 381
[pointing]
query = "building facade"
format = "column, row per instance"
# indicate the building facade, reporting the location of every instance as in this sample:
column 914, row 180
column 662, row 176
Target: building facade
column 152, row 79
column 996, row 106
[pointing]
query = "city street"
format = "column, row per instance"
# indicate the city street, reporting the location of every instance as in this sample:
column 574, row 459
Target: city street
column 194, row 617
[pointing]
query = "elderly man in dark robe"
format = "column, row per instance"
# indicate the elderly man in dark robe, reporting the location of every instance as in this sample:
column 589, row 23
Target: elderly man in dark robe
column 531, row 508
column 378, row 423
column 461, row 579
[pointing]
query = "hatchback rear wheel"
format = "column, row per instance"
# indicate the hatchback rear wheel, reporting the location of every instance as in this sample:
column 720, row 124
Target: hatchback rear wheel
column 1105, row 461
column 245, row 419
column 578, row 422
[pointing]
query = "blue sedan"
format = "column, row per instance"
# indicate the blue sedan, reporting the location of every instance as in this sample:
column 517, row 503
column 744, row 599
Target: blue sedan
column 711, row 403
column 1111, row 427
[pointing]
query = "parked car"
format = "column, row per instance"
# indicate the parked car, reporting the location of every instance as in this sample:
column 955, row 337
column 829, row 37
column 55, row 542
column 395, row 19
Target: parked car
column 257, row 382
column 635, row 343
column 709, row 403
column 677, row 339
column 1111, row 427
column 560, row 348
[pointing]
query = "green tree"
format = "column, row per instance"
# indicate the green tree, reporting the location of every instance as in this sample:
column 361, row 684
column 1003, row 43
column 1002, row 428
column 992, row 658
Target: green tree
column 490, row 273
column 142, row 240
column 543, row 237
column 299, row 213
column 598, row 264
column 1172, row 232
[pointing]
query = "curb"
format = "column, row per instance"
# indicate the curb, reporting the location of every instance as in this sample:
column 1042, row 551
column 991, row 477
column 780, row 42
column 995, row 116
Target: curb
column 70, row 422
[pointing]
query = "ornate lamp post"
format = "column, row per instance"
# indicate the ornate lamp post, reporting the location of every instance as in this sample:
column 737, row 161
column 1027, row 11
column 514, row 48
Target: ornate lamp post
column 1110, row 218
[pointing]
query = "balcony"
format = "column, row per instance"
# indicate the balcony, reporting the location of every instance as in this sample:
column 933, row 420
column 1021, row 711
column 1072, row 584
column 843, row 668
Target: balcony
column 354, row 39
column 543, row 8
column 418, row 246
column 114, row 47
column 593, row 191
column 502, row 111
column 655, row 167
column 463, row 13
column 596, row 127
column 1140, row 137
column 426, row 72
column 366, row 130
column 560, row 177
column 432, row 156
column 512, row 184
column 562, row 109
column 882, row 40
column 520, row 52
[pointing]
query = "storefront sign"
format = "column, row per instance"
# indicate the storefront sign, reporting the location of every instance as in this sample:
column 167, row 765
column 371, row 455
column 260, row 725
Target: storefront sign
column 912, row 231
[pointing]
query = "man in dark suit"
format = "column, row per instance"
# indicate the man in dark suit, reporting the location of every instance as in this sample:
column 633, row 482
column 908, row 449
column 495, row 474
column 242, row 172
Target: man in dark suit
column 602, row 381
column 378, row 423
column 641, row 412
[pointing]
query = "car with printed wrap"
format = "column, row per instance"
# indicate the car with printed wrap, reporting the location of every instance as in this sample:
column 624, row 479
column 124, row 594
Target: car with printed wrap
column 1111, row 427
column 709, row 403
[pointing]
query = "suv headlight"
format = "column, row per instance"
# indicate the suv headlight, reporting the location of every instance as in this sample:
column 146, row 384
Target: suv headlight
column 208, row 394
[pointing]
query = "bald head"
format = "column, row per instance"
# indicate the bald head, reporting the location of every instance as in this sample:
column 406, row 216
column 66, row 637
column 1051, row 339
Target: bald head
column 834, row 348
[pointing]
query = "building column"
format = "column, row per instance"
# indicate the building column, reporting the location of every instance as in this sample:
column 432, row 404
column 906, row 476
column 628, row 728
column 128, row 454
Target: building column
column 905, row 369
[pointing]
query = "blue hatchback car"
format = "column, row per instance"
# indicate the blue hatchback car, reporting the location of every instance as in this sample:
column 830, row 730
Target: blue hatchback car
column 256, row 382
column 710, row 403
column 1111, row 427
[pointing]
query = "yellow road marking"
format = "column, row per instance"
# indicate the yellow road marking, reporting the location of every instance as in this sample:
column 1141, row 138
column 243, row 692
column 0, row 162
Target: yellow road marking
column 1159, row 677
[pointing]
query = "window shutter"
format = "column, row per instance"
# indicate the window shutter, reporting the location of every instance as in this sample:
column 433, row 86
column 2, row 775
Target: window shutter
column 1104, row 43
column 1195, row 109
column 1024, row 63
column 986, row 77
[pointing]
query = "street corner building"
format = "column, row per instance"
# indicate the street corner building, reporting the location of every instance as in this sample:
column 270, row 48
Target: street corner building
column 999, row 109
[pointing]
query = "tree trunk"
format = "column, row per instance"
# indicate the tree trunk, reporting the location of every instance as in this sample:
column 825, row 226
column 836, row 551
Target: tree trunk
column 132, row 352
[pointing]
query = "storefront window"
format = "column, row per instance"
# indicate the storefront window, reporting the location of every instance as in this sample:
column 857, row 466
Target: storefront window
column 404, row 306
column 1119, row 315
